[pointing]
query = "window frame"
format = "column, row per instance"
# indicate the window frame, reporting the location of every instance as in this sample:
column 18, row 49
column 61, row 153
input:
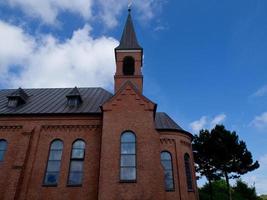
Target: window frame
column 76, row 159
column 47, row 163
column 4, row 150
column 188, row 169
column 135, row 160
column 172, row 170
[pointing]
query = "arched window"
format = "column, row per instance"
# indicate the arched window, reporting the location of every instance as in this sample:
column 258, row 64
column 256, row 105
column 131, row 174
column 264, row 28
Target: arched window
column 166, row 161
column 53, row 163
column 128, row 65
column 76, row 163
column 128, row 157
column 188, row 172
column 3, row 147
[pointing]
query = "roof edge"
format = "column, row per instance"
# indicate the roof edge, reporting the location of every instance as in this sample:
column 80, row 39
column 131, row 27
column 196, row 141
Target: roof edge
column 175, row 130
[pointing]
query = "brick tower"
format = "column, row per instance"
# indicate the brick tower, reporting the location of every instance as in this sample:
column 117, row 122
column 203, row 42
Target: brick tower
column 128, row 118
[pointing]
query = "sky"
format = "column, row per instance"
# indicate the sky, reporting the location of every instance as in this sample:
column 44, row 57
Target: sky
column 205, row 62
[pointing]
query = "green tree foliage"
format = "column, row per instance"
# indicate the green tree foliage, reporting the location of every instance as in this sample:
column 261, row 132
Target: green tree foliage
column 202, row 149
column 241, row 191
column 263, row 197
column 225, row 154
column 219, row 191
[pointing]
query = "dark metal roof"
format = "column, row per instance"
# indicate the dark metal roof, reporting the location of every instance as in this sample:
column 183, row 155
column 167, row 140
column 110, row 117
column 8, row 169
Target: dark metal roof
column 163, row 121
column 128, row 39
column 54, row 101
column 19, row 93
column 47, row 101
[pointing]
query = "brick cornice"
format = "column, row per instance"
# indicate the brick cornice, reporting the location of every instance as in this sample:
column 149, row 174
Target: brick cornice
column 11, row 128
column 167, row 141
column 185, row 143
column 70, row 127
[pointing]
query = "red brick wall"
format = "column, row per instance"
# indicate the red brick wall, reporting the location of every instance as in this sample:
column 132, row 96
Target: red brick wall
column 23, row 169
column 137, row 78
column 22, row 172
column 178, row 144
column 128, row 111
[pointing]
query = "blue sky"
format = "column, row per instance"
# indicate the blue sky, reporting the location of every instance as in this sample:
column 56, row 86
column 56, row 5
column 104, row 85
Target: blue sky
column 205, row 61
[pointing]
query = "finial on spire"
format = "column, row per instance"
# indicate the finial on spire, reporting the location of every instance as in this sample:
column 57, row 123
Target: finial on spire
column 130, row 2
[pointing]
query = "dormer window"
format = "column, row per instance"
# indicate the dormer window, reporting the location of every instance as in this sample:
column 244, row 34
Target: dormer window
column 12, row 102
column 128, row 66
column 74, row 98
column 73, row 102
column 17, row 98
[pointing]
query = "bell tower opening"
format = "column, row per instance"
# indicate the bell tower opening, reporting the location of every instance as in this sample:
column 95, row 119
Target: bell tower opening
column 128, row 66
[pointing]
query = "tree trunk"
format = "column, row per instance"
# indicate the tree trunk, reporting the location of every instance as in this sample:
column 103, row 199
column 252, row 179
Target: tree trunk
column 228, row 186
column 210, row 188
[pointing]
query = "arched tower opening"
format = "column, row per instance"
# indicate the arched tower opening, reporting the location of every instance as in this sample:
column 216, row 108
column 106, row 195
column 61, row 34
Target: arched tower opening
column 128, row 66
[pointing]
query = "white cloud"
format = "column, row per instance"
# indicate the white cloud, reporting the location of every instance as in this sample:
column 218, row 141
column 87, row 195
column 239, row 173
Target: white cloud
column 260, row 122
column 197, row 125
column 48, row 10
column 106, row 10
column 45, row 62
column 110, row 9
column 206, row 123
column 261, row 92
column 217, row 120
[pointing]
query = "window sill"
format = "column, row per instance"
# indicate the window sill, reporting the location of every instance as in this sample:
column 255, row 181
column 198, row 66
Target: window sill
column 170, row 190
column 49, row 185
column 78, row 185
column 191, row 190
column 127, row 181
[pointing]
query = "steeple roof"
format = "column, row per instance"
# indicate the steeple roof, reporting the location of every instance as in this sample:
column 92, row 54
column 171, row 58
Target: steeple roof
column 74, row 92
column 128, row 39
column 19, row 93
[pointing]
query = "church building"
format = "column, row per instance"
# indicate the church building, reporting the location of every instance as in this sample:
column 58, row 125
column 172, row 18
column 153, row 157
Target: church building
column 90, row 144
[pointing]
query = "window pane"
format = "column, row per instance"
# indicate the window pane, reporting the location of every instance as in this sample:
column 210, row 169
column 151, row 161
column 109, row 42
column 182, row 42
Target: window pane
column 169, row 184
column 166, row 164
column 73, row 101
column 76, row 166
column 53, row 166
column 2, row 155
column 168, row 174
column 55, row 155
column 3, row 145
column 75, row 178
column 128, row 148
column 79, row 144
column 186, row 157
column 57, row 144
column 165, row 156
column 166, row 161
column 12, row 102
column 76, row 163
column 188, row 172
column 128, row 137
column 77, row 153
column 51, row 178
column 127, row 160
column 128, row 173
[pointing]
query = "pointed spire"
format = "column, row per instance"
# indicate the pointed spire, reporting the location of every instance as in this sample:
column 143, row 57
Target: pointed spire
column 128, row 39
column 74, row 92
